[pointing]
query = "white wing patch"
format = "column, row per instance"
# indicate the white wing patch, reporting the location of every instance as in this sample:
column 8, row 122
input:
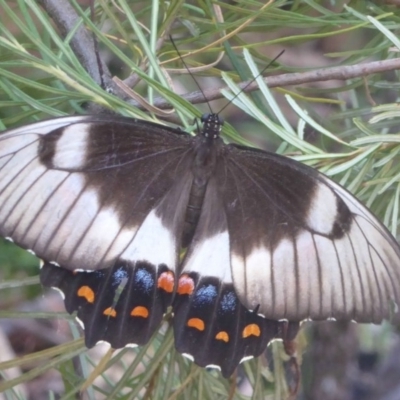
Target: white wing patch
column 72, row 147
column 210, row 257
column 251, row 267
column 284, row 276
column 153, row 243
column 322, row 213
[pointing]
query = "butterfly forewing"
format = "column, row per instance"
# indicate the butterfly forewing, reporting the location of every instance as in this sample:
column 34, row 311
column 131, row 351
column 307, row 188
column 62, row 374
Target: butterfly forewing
column 301, row 245
column 59, row 189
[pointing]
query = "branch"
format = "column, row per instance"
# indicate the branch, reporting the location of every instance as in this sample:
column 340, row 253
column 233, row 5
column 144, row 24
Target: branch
column 82, row 43
column 326, row 74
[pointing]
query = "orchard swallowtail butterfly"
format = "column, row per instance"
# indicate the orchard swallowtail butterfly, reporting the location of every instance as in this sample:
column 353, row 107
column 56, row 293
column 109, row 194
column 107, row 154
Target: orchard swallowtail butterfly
column 108, row 203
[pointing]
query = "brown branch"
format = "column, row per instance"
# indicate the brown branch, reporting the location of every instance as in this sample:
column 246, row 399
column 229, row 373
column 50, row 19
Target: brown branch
column 82, row 43
column 298, row 78
column 66, row 18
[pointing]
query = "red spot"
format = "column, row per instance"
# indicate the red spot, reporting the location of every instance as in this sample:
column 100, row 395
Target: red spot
column 185, row 285
column 166, row 281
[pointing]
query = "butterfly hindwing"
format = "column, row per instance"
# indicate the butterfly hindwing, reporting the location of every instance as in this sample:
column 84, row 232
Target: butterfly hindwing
column 122, row 305
column 211, row 325
column 214, row 329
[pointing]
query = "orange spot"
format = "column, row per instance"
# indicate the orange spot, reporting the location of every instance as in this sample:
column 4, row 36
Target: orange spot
column 251, row 330
column 110, row 312
column 140, row 311
column 185, row 285
column 222, row 336
column 196, row 323
column 86, row 293
column 166, row 281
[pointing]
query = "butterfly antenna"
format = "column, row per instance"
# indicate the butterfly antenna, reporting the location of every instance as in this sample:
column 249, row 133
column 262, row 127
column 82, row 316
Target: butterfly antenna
column 252, row 80
column 188, row 70
column 237, row 94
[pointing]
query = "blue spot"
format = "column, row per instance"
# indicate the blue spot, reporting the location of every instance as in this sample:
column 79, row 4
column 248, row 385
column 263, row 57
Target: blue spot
column 119, row 275
column 206, row 294
column 229, row 302
column 144, row 279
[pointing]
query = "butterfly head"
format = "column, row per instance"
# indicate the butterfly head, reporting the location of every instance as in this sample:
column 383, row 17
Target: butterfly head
column 212, row 125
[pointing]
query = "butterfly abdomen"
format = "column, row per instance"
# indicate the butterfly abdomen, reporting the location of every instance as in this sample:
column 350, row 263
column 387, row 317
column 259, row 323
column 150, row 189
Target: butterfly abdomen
column 204, row 164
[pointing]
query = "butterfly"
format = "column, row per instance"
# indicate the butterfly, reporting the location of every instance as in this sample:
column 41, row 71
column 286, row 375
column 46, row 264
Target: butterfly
column 132, row 217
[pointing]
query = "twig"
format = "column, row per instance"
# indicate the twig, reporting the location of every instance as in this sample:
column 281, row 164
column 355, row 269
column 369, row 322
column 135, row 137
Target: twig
column 297, row 78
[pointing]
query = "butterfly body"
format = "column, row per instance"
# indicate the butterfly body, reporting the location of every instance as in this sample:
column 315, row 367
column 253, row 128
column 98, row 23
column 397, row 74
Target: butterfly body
column 207, row 146
column 109, row 203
